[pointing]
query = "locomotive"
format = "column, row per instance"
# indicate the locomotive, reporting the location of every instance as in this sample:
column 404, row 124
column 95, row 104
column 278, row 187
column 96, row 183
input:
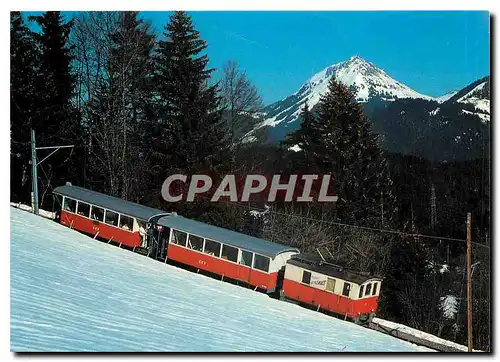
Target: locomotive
column 278, row 270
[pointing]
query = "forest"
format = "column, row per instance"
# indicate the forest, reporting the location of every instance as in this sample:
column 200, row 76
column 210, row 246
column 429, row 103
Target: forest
column 139, row 106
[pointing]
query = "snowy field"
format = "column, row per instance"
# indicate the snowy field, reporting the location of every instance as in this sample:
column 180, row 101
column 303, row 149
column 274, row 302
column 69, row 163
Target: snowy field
column 72, row 293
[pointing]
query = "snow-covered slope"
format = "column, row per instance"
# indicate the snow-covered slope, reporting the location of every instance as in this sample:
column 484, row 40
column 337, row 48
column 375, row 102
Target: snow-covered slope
column 366, row 79
column 423, row 335
column 476, row 97
column 445, row 97
column 70, row 292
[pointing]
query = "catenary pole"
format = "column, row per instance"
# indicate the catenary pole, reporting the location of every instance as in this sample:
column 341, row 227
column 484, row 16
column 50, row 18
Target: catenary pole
column 469, row 284
column 34, row 164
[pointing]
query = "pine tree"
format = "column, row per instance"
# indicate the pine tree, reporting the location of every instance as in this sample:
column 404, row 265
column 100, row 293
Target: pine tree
column 306, row 136
column 56, row 81
column 23, row 95
column 346, row 147
column 55, row 118
column 190, row 136
column 190, row 107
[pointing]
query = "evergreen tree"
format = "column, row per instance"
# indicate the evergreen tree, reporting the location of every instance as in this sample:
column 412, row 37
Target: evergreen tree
column 189, row 136
column 306, row 136
column 346, row 147
column 23, row 95
column 23, row 67
column 55, row 118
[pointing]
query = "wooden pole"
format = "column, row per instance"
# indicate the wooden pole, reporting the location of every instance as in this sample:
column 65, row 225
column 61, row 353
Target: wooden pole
column 34, row 177
column 469, row 284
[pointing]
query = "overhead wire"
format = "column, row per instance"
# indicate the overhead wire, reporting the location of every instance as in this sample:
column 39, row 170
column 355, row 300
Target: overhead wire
column 388, row 231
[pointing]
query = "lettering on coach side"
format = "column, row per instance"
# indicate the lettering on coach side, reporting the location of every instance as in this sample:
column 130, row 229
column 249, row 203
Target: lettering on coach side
column 288, row 188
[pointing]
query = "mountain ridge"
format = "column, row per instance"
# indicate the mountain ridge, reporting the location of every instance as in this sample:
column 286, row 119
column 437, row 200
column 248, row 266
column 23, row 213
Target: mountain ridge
column 365, row 79
column 372, row 87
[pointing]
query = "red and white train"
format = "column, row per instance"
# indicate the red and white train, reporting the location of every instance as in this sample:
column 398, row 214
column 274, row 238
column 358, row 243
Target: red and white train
column 270, row 267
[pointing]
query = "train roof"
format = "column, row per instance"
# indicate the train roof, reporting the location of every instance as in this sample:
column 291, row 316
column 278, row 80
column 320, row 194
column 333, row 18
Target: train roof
column 314, row 263
column 229, row 237
column 108, row 202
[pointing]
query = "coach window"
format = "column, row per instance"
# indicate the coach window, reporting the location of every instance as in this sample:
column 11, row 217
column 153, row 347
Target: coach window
column 306, row 277
column 229, row 253
column 375, row 285
column 83, row 209
column 361, row 289
column 179, row 237
column 261, row 263
column 212, row 247
column 126, row 223
column 246, row 258
column 346, row 290
column 97, row 213
column 195, row 242
column 330, row 284
column 69, row 205
column 111, row 218
column 368, row 289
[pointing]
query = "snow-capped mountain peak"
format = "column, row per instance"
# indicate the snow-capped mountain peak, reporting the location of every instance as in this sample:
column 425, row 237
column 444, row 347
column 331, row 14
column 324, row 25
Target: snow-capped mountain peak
column 365, row 79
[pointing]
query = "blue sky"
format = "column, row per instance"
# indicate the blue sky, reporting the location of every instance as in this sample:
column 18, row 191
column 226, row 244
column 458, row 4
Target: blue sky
column 431, row 52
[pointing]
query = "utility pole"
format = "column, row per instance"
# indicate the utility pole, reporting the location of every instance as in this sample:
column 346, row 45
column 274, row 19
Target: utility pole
column 382, row 208
column 469, row 284
column 34, row 193
column 433, row 206
column 34, row 164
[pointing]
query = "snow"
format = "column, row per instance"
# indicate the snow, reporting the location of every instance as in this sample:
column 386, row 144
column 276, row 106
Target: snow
column 70, row 292
column 272, row 121
column 361, row 74
column 354, row 72
column 257, row 213
column 485, row 118
column 482, row 105
column 445, row 97
column 419, row 334
column 434, row 112
column 449, row 306
column 477, row 89
column 249, row 139
column 435, row 267
column 295, row 148
column 44, row 213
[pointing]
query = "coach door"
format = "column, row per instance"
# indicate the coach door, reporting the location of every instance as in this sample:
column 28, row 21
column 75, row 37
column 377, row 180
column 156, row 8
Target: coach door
column 245, row 265
column 158, row 236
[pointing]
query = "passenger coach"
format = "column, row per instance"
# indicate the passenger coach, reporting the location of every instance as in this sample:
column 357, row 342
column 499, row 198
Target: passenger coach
column 331, row 287
column 104, row 217
column 168, row 236
column 260, row 263
column 227, row 253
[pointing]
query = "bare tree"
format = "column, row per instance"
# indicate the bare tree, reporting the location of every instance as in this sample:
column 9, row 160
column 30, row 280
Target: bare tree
column 115, row 62
column 241, row 100
column 92, row 41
